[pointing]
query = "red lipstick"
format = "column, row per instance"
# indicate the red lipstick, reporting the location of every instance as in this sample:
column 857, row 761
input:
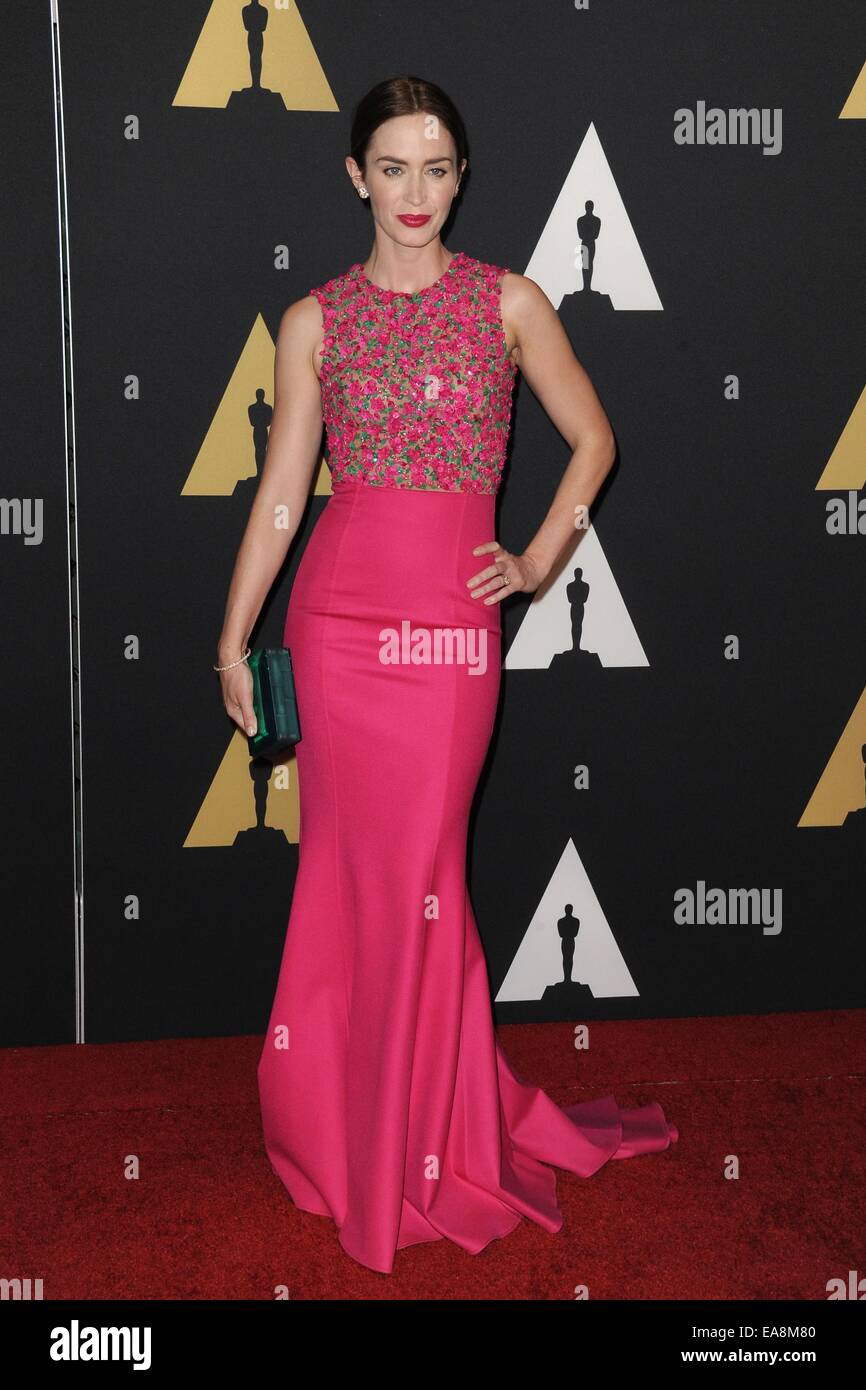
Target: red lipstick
column 414, row 219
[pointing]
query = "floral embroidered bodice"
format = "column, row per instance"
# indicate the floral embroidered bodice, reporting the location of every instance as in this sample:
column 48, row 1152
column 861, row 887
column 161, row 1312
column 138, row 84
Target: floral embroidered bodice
column 417, row 388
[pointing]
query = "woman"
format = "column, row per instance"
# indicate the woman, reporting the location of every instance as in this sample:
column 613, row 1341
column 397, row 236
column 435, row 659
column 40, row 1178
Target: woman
column 387, row 1102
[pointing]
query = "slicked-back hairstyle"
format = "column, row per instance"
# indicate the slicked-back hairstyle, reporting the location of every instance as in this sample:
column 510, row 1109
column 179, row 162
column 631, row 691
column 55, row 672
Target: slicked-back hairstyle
column 403, row 96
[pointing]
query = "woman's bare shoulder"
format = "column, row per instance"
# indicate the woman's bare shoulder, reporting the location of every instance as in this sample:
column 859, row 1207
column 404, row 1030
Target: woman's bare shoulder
column 521, row 302
column 300, row 334
column 302, row 315
column 520, row 294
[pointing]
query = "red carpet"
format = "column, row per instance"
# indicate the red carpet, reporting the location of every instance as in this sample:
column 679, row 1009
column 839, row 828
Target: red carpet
column 207, row 1219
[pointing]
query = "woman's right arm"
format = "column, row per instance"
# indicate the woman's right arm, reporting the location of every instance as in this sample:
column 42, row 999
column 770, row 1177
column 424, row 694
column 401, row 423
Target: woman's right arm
column 294, row 443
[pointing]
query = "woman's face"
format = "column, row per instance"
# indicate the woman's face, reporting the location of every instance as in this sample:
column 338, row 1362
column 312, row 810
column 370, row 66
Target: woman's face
column 411, row 172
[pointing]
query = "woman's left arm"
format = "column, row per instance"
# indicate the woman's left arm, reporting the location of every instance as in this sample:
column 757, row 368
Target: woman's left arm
column 545, row 358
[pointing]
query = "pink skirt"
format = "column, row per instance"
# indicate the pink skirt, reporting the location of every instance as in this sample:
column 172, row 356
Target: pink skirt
column 387, row 1102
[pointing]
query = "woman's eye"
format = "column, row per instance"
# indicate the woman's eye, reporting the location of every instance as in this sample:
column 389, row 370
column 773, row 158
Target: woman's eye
column 394, row 168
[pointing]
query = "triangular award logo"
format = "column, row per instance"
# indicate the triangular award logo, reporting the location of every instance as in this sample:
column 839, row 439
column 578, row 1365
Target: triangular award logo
column 234, row 448
column 249, row 800
column 589, row 222
column 840, row 795
column 577, row 620
column 569, row 955
column 255, row 57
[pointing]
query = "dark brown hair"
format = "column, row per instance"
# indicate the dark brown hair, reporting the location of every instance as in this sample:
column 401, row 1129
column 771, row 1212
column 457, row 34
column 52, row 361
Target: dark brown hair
column 403, row 96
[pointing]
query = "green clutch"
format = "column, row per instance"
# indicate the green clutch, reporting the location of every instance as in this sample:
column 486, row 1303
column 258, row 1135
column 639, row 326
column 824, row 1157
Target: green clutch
column 275, row 703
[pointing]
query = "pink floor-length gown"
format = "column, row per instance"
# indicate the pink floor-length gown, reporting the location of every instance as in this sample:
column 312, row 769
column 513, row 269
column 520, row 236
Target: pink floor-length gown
column 387, row 1102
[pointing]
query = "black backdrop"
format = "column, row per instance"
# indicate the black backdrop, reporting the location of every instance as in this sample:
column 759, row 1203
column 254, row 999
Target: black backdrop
column 729, row 755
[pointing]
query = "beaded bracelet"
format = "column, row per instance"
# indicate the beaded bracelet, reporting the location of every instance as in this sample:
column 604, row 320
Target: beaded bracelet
column 233, row 663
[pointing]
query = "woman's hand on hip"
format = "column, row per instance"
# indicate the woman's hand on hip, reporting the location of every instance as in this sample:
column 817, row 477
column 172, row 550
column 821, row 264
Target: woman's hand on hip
column 508, row 574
